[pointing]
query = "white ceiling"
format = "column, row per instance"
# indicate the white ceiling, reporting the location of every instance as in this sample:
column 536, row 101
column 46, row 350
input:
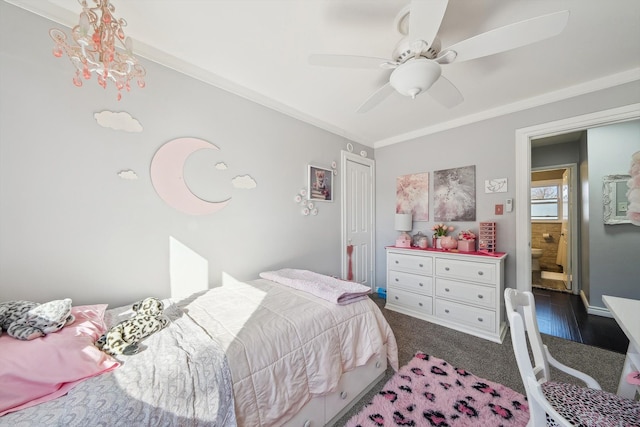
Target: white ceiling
column 259, row 50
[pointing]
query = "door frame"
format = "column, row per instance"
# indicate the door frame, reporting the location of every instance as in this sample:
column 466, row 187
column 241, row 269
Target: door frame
column 344, row 157
column 523, row 175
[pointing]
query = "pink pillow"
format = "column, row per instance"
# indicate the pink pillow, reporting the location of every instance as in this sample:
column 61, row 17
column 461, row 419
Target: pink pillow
column 32, row 372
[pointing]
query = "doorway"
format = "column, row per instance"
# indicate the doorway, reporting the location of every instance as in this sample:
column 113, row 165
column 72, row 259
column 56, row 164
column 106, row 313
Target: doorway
column 357, row 208
column 524, row 138
column 555, row 253
column 563, row 314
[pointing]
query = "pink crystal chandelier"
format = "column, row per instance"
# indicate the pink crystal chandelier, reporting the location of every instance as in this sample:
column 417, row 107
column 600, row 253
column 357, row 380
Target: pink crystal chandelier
column 101, row 47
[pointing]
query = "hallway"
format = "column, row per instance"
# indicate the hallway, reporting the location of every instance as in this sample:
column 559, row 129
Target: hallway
column 563, row 315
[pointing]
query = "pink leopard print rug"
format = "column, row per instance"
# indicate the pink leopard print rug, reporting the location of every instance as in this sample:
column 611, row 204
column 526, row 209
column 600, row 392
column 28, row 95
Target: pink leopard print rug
column 430, row 392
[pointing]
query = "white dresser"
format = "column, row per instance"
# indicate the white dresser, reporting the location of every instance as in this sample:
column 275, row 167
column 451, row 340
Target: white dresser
column 462, row 291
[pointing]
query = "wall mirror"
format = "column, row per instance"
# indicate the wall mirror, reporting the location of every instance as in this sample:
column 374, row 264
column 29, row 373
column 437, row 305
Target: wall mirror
column 614, row 199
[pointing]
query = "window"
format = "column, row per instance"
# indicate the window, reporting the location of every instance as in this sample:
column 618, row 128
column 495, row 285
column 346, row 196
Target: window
column 546, row 200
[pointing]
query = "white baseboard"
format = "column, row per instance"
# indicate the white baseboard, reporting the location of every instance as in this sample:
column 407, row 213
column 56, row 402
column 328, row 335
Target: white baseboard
column 598, row 311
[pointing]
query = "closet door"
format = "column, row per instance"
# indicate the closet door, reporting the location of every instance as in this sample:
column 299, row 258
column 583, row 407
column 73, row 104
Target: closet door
column 358, row 233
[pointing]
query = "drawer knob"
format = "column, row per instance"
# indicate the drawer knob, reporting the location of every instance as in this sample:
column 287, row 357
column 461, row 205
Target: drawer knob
column 480, row 296
column 377, row 364
column 480, row 319
column 397, row 279
column 397, row 298
column 480, row 273
column 397, row 262
column 307, row 423
column 446, row 269
column 343, row 395
column 420, row 265
column 420, row 284
column 446, row 289
column 446, row 310
column 420, row 304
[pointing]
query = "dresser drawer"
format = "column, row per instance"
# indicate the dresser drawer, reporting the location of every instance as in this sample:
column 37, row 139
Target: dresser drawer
column 413, row 263
column 465, row 314
column 411, row 282
column 484, row 296
column 416, row 302
column 482, row 272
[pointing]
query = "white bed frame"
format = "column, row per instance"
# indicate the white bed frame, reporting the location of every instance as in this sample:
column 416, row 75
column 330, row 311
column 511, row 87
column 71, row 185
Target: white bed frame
column 353, row 385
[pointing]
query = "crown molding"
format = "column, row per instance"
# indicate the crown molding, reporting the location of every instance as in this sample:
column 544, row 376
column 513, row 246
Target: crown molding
column 547, row 98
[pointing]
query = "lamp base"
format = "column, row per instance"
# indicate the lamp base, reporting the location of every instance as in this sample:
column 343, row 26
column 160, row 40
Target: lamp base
column 403, row 241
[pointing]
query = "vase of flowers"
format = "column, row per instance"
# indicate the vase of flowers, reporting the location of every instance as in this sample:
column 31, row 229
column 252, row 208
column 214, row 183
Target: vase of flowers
column 439, row 231
column 466, row 241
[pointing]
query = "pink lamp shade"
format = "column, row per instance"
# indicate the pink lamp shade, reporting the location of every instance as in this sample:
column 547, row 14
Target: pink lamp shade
column 404, row 223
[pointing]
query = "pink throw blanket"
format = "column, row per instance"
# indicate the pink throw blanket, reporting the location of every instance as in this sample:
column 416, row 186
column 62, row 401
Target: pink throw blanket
column 329, row 288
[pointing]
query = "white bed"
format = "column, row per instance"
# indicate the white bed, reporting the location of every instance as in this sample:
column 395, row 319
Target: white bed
column 292, row 359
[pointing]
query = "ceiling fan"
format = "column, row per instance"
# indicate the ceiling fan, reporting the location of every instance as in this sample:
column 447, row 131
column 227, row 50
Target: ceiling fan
column 418, row 57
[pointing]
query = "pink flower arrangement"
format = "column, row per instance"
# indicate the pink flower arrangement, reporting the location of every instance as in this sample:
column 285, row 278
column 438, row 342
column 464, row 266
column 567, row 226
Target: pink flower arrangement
column 633, row 195
column 466, row 235
column 440, row 230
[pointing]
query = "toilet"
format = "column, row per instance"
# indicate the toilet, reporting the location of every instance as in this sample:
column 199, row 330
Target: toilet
column 535, row 255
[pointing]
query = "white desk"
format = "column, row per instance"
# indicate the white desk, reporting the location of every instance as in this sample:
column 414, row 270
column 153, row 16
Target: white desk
column 627, row 313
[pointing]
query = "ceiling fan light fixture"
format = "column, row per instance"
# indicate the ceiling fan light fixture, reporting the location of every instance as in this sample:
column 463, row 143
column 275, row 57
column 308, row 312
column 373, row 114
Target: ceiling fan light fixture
column 415, row 76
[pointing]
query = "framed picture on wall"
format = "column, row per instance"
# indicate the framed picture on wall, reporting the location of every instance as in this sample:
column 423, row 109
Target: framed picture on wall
column 320, row 182
column 455, row 194
column 412, row 195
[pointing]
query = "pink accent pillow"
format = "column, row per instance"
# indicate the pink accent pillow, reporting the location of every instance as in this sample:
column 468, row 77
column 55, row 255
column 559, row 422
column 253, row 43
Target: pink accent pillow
column 33, row 372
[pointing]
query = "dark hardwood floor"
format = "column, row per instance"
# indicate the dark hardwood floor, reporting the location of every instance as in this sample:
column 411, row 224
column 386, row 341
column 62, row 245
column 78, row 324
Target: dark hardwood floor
column 563, row 315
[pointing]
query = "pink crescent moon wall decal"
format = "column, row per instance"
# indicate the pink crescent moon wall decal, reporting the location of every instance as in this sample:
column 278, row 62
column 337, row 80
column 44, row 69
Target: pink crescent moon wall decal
column 167, row 176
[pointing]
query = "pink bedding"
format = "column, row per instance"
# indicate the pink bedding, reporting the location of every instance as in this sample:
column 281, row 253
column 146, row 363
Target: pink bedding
column 329, row 288
column 36, row 371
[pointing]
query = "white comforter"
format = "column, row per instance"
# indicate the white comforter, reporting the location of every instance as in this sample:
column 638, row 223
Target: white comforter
column 286, row 346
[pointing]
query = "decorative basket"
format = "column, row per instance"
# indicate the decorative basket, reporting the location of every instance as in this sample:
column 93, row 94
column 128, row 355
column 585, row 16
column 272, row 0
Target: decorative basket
column 467, row 245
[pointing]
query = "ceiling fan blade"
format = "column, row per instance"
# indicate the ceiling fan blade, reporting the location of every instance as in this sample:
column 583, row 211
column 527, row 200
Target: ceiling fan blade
column 509, row 37
column 425, row 18
column 445, row 93
column 376, row 98
column 348, row 61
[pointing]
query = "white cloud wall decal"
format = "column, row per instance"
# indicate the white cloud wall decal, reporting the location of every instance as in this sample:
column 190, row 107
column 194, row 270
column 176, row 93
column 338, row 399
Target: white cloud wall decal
column 128, row 174
column 118, row 121
column 221, row 166
column 244, row 181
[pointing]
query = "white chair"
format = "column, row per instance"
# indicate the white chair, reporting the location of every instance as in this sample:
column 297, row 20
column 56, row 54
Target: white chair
column 552, row 403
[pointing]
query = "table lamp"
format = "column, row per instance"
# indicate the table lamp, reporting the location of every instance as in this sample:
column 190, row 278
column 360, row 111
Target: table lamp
column 404, row 223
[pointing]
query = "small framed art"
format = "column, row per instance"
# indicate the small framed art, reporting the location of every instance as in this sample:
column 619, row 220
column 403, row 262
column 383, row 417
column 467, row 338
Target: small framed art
column 320, row 181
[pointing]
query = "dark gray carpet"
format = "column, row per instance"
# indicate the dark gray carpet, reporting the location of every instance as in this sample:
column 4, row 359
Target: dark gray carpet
column 492, row 361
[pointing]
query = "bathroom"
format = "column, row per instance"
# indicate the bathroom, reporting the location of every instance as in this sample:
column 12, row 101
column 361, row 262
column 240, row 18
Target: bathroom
column 550, row 225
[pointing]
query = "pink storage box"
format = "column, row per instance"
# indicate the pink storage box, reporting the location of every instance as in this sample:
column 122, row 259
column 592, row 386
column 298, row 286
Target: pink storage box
column 467, row 245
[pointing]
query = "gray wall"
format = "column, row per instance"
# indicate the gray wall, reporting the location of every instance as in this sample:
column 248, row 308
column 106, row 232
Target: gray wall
column 490, row 145
column 555, row 154
column 613, row 249
column 70, row 227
